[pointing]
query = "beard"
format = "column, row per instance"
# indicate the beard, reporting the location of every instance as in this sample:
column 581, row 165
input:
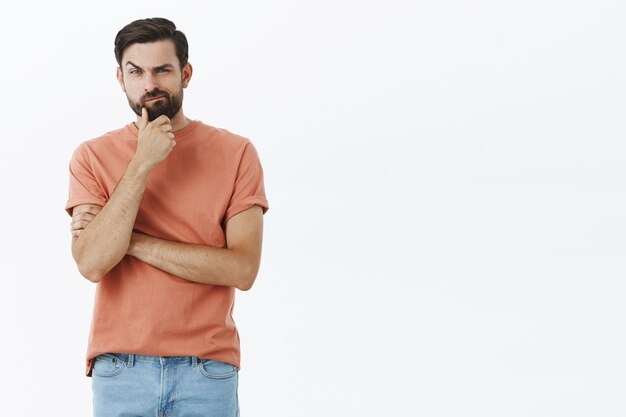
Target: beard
column 168, row 104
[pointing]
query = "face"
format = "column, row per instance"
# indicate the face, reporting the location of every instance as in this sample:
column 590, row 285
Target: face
column 152, row 78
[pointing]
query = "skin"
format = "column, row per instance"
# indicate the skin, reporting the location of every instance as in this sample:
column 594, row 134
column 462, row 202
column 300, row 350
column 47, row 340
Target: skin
column 102, row 236
column 153, row 67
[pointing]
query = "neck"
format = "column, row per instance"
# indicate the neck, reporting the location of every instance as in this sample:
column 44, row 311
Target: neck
column 179, row 121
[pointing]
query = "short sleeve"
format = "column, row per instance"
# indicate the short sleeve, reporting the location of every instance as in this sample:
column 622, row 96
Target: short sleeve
column 83, row 186
column 249, row 189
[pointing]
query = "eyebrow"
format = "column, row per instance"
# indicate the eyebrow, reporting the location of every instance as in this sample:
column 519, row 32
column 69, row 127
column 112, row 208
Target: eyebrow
column 164, row 66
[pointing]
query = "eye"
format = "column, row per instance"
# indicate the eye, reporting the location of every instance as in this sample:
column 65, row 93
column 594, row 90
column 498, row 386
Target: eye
column 163, row 70
column 134, row 71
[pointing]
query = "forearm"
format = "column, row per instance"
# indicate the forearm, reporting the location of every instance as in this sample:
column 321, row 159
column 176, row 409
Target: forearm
column 198, row 263
column 104, row 242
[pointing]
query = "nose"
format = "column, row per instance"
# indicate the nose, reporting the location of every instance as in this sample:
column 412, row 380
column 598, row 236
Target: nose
column 150, row 83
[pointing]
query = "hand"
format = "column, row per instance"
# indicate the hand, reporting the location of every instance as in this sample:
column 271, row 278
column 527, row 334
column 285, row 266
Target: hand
column 81, row 216
column 155, row 140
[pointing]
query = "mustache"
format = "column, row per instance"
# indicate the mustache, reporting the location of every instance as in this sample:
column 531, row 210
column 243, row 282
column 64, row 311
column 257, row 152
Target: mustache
column 155, row 93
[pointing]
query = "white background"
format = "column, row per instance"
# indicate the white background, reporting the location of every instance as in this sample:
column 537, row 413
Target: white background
column 446, row 187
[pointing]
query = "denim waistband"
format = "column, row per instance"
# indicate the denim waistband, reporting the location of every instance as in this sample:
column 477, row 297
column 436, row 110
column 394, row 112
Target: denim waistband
column 131, row 358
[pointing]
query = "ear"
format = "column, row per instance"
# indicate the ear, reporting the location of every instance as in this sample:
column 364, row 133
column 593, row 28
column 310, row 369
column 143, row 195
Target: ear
column 186, row 72
column 120, row 78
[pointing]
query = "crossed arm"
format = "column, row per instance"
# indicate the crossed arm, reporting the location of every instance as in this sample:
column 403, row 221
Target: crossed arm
column 102, row 236
column 236, row 265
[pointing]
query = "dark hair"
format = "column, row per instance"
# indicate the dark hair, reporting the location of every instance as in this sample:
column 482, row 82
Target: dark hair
column 151, row 30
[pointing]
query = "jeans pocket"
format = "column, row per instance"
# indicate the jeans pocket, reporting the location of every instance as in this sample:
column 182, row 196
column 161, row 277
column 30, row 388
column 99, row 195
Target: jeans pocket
column 108, row 364
column 217, row 369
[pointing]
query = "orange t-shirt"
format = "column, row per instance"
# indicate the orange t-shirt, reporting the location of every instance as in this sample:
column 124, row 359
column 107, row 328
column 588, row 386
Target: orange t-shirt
column 211, row 175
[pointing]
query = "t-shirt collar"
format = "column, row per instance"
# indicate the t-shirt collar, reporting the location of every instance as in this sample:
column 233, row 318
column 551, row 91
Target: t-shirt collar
column 178, row 134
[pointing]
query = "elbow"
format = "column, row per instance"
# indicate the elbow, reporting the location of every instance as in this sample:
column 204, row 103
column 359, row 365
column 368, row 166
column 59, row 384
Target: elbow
column 83, row 267
column 244, row 287
column 94, row 277
column 91, row 274
column 91, row 267
column 87, row 270
column 247, row 279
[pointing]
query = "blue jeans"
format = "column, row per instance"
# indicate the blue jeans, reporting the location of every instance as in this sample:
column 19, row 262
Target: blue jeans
column 163, row 386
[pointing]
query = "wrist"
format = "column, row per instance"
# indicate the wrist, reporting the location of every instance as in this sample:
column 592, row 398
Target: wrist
column 139, row 168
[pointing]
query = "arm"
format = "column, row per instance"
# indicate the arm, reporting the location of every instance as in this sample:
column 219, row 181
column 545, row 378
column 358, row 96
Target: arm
column 236, row 265
column 105, row 236
column 104, row 241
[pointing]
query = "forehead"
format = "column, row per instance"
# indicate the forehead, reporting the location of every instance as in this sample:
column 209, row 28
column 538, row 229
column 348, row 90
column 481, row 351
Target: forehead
column 151, row 54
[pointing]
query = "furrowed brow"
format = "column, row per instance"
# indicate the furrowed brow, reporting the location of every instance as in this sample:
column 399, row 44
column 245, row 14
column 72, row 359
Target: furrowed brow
column 130, row 63
column 164, row 66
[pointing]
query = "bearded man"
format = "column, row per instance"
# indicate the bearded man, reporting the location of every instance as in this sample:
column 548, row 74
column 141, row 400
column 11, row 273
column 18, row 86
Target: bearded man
column 167, row 220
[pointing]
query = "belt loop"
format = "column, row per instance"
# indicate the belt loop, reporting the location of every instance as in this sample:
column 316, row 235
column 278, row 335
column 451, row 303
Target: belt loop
column 131, row 360
column 194, row 361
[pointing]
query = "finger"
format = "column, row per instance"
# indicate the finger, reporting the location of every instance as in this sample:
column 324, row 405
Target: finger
column 170, row 135
column 166, row 127
column 173, row 143
column 79, row 225
column 143, row 122
column 75, row 233
column 86, row 208
column 84, row 216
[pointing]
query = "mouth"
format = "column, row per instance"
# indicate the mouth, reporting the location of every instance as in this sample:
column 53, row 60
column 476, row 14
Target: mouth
column 154, row 98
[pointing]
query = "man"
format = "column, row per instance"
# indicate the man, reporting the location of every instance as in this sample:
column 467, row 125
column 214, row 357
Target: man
column 167, row 219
